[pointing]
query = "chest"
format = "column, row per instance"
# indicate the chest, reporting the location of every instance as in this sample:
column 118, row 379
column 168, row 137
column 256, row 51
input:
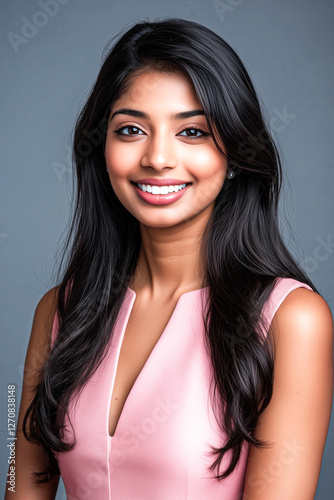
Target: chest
column 144, row 328
column 162, row 443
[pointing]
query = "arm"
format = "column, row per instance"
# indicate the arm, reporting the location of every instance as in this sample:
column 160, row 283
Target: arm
column 297, row 417
column 30, row 457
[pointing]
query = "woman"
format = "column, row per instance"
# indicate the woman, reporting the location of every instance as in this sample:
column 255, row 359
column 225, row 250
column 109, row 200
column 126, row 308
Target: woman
column 190, row 356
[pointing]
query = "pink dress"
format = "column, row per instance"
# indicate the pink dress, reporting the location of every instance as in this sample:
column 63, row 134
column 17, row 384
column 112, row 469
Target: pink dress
column 161, row 447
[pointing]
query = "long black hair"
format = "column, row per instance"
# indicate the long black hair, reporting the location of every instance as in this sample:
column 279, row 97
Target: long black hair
column 242, row 246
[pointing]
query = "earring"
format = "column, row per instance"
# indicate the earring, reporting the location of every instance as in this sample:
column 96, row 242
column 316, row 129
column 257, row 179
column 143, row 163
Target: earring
column 231, row 174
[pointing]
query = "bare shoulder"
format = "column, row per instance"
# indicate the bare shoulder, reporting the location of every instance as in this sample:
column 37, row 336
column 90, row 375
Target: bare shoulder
column 46, row 309
column 40, row 338
column 39, row 345
column 303, row 316
column 303, row 336
column 295, row 423
column 48, row 303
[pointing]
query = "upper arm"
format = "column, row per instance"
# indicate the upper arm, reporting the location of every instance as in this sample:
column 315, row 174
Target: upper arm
column 30, row 457
column 295, row 423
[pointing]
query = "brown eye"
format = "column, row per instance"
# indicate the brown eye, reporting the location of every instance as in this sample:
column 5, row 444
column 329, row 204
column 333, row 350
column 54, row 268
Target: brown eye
column 129, row 130
column 193, row 133
column 133, row 130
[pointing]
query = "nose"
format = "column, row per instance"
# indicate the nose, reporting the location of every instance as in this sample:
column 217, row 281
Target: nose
column 159, row 152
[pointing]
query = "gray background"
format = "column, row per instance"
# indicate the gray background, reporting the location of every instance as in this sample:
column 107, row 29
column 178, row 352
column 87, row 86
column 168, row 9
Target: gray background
column 287, row 46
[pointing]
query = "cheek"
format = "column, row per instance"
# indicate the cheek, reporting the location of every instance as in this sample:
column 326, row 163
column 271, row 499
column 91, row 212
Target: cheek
column 209, row 168
column 118, row 169
column 120, row 160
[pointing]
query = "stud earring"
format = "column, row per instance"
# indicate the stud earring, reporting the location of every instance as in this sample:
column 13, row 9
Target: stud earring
column 231, row 174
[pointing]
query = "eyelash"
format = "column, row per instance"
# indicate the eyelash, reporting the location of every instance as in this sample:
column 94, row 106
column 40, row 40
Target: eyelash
column 203, row 134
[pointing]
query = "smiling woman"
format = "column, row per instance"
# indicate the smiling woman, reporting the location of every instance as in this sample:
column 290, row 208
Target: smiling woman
column 184, row 353
column 152, row 137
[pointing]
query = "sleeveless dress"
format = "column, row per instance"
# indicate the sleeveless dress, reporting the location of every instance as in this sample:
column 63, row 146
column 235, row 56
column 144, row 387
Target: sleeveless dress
column 161, row 446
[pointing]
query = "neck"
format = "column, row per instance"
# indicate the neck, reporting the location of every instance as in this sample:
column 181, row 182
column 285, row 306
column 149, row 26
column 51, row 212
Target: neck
column 170, row 260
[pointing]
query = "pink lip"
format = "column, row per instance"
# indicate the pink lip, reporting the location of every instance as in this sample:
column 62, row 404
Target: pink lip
column 163, row 199
column 161, row 182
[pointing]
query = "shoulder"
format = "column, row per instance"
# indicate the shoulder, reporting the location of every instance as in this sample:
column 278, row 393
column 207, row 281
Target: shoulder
column 46, row 309
column 40, row 338
column 303, row 315
column 295, row 422
column 302, row 329
column 48, row 302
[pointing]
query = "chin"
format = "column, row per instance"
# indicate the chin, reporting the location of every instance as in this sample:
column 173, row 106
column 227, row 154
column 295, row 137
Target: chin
column 161, row 220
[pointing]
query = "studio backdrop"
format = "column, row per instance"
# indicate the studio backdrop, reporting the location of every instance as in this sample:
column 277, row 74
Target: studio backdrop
column 50, row 56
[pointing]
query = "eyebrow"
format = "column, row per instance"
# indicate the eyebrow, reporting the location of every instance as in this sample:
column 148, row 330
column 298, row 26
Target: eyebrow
column 140, row 114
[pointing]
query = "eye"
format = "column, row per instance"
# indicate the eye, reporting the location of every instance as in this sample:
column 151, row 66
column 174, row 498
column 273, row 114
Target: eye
column 129, row 130
column 193, row 133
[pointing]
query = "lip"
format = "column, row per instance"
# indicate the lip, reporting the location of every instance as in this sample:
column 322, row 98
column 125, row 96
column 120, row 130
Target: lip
column 160, row 199
column 160, row 182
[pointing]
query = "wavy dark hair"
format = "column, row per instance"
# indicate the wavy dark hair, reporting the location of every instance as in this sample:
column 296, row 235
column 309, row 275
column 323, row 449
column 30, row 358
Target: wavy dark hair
column 242, row 246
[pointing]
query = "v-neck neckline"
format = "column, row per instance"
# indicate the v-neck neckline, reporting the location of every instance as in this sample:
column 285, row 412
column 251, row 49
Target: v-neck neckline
column 132, row 295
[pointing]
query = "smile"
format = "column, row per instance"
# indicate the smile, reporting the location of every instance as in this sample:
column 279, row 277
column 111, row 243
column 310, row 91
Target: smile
column 158, row 190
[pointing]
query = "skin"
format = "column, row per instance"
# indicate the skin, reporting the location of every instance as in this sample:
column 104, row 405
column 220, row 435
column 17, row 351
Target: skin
column 297, row 418
column 162, row 146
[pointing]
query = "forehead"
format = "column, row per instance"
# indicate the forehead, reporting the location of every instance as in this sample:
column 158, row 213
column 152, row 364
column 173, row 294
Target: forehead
column 166, row 88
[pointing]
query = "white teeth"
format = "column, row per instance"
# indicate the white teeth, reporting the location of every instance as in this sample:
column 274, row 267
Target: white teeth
column 160, row 189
